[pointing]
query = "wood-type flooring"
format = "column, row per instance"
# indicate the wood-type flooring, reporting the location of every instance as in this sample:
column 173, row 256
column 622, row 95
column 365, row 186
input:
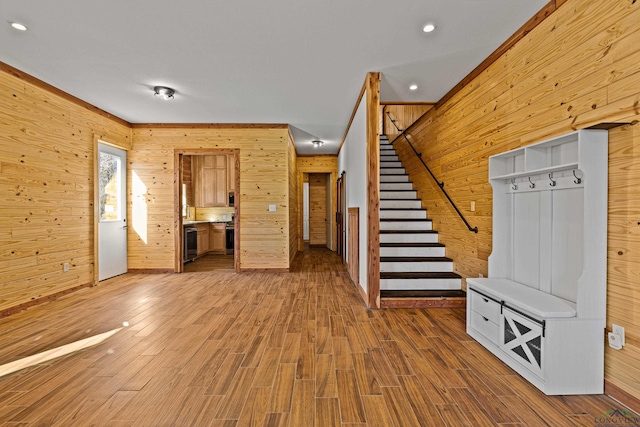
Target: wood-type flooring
column 262, row 349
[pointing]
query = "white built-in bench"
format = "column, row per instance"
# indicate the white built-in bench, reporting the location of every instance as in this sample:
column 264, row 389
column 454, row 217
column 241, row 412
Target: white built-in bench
column 542, row 308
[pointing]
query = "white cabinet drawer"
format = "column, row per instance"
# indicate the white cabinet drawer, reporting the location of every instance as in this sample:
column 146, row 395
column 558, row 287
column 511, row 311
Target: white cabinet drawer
column 485, row 326
column 485, row 307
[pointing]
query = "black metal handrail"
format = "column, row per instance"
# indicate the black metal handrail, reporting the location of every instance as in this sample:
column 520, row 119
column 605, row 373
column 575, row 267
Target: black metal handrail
column 440, row 184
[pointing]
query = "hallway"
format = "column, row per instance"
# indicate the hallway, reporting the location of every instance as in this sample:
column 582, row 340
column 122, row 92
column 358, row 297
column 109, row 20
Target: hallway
column 258, row 348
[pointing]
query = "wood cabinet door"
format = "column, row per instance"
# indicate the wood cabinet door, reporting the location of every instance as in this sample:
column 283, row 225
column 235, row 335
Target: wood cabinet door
column 203, row 238
column 210, row 180
column 217, row 238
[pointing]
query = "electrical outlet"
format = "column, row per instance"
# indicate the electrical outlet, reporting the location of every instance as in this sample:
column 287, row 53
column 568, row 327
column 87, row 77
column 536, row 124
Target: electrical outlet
column 618, row 330
column 65, row 267
column 480, row 275
column 473, row 206
column 272, row 208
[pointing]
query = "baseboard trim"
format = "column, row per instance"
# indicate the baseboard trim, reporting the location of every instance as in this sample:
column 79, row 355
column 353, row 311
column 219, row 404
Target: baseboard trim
column 150, row 270
column 363, row 295
column 423, row 302
column 624, row 397
column 42, row 300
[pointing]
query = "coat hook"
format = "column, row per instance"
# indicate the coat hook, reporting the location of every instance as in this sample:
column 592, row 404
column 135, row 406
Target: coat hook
column 514, row 186
column 552, row 183
column 577, row 180
column 531, row 184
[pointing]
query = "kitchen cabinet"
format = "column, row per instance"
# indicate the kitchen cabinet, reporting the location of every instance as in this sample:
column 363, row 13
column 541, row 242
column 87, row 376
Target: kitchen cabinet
column 217, row 237
column 209, row 175
column 203, row 238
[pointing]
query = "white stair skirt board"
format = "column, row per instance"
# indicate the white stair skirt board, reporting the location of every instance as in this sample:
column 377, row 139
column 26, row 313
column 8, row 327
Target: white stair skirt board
column 419, row 284
column 415, row 266
column 395, row 186
column 405, row 225
column 394, row 178
column 400, row 204
column 403, row 214
column 409, row 237
column 408, row 251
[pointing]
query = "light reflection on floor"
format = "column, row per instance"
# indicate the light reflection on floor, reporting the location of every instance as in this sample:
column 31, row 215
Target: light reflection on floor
column 25, row 362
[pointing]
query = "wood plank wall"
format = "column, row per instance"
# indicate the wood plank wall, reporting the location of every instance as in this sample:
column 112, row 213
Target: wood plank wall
column 46, row 189
column 295, row 195
column 318, row 164
column 578, row 67
column 187, row 179
column 404, row 116
column 264, row 179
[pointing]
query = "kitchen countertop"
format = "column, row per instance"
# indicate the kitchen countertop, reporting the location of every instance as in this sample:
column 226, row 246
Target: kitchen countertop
column 205, row 222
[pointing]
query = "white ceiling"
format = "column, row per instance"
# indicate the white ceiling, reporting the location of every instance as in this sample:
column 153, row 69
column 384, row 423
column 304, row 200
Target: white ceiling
column 300, row 62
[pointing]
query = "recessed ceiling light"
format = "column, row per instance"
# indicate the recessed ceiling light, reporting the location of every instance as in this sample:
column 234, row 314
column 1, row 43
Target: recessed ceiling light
column 18, row 26
column 317, row 143
column 163, row 92
column 428, row 28
column 413, row 87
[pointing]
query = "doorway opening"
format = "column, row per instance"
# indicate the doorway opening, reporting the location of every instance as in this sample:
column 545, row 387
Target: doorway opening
column 207, row 210
column 319, row 209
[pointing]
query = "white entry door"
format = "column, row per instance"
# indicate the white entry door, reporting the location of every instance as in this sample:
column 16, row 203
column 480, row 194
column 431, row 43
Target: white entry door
column 112, row 212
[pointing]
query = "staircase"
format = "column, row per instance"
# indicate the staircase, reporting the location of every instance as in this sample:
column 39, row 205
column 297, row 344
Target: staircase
column 413, row 264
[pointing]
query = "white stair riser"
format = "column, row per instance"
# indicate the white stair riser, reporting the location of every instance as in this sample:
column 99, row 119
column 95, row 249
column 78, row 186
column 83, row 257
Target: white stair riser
column 404, row 267
column 392, row 171
column 392, row 164
column 398, row 194
column 413, row 214
column 388, row 157
column 405, row 225
column 411, row 251
column 409, row 238
column 395, row 186
column 394, row 178
column 420, row 284
column 400, row 204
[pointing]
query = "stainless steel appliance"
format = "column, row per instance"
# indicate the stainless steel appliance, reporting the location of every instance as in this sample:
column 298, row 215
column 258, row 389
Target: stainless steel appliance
column 190, row 246
column 229, row 237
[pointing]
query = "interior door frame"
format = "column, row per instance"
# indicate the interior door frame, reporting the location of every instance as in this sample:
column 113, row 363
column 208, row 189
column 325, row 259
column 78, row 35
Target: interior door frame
column 177, row 211
column 333, row 175
column 341, row 198
column 105, row 140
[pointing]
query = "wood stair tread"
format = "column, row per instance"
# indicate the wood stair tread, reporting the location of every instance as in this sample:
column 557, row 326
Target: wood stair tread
column 444, row 293
column 405, row 219
column 415, row 259
column 408, row 231
column 419, row 275
column 411, row 245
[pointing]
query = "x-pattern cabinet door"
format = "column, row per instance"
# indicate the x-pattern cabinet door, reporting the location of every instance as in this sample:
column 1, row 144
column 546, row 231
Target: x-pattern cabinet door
column 522, row 339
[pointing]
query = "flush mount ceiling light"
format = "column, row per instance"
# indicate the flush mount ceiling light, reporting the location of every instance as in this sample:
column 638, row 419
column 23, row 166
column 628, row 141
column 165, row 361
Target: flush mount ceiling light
column 428, row 28
column 317, row 143
column 18, row 26
column 164, row 92
column 413, row 87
